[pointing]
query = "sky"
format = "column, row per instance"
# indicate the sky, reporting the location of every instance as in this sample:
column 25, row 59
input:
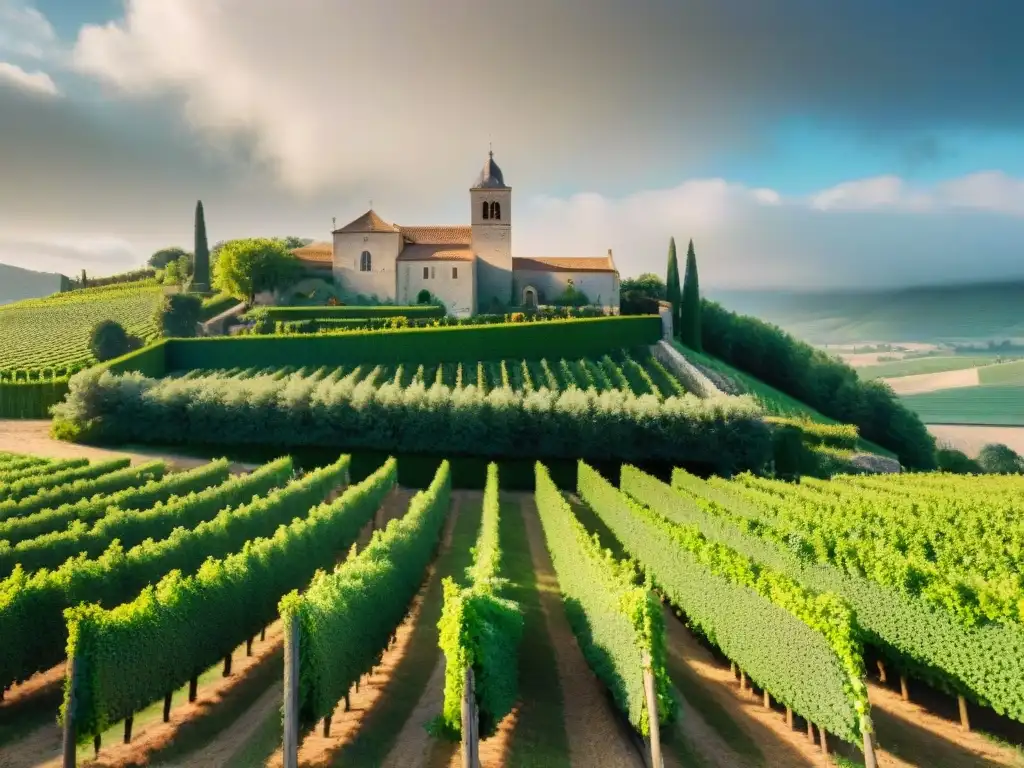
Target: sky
column 799, row 143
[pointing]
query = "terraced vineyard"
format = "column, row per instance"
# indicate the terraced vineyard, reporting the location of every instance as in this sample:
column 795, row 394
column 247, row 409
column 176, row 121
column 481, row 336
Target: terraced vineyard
column 637, row 372
column 49, row 337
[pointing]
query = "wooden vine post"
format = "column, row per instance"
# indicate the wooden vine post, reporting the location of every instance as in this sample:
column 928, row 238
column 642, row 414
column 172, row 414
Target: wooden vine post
column 291, row 694
column 652, row 713
column 870, row 761
column 965, row 720
column 470, row 722
column 69, row 751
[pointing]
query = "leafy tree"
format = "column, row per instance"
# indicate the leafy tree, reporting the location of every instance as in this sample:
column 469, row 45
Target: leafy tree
column 672, row 284
column 165, row 256
column 571, row 297
column 952, row 460
column 999, row 459
column 179, row 314
column 648, row 284
column 291, row 242
column 247, row 267
column 689, row 305
column 201, row 278
column 423, row 297
column 109, row 339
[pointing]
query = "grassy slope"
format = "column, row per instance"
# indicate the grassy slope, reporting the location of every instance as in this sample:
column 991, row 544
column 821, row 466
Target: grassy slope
column 774, row 402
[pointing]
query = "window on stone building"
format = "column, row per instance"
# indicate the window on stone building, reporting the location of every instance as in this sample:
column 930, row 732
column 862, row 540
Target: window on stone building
column 426, row 272
column 431, row 273
column 455, row 273
column 365, row 262
column 485, row 210
column 496, row 210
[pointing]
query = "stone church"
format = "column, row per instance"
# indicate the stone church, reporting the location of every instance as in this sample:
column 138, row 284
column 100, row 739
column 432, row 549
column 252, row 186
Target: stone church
column 468, row 267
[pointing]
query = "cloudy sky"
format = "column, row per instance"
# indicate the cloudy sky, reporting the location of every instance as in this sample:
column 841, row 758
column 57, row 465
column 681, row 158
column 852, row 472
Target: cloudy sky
column 799, row 143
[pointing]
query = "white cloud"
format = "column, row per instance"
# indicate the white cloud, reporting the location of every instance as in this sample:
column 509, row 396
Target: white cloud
column 992, row 191
column 36, row 82
column 71, row 252
column 24, row 31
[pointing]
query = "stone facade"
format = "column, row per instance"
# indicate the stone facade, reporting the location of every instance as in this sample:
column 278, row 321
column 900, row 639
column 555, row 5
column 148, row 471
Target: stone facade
column 470, row 268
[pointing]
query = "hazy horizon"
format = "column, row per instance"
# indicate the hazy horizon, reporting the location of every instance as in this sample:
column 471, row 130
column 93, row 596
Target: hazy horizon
column 802, row 146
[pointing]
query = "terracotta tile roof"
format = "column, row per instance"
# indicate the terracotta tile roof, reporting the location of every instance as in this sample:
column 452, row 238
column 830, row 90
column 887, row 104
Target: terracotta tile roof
column 435, row 252
column 600, row 264
column 368, row 222
column 318, row 253
column 456, row 235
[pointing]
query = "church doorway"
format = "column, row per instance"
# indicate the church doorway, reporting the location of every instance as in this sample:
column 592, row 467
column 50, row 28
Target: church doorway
column 530, row 297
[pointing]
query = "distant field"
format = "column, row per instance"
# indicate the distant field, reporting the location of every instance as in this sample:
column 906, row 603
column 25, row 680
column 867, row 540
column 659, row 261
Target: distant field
column 919, row 365
column 1004, row 373
column 997, row 405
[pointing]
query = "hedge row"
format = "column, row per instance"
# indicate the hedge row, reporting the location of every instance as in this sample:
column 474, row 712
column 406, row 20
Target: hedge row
column 31, row 607
column 352, row 313
column 10, row 461
column 31, row 399
column 88, row 509
column 133, row 526
column 21, row 471
column 13, row 492
column 346, row 618
column 141, row 651
column 803, row 647
column 557, row 338
column 615, row 621
column 415, row 419
column 113, row 479
column 481, row 629
column 215, row 305
column 983, row 662
column 813, row 433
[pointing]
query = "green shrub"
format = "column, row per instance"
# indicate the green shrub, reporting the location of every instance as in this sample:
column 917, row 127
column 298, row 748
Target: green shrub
column 958, row 462
column 999, row 459
column 178, row 315
column 109, row 340
column 481, row 629
column 31, row 399
column 215, row 305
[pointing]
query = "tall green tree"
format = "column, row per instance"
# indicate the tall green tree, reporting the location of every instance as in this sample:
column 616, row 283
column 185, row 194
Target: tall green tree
column 201, row 264
column 672, row 284
column 165, row 256
column 689, row 306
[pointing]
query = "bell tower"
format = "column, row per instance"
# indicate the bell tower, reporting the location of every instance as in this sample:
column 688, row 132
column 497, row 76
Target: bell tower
column 491, row 217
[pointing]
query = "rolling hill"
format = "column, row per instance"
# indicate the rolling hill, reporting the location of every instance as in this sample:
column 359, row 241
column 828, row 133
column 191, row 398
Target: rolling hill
column 17, row 283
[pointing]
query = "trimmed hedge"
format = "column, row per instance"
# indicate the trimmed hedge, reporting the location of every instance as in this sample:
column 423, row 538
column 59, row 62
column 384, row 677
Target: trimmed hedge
column 138, row 652
column 803, row 647
column 555, row 338
column 725, row 432
column 31, row 399
column 347, row 617
column 615, row 621
column 480, row 628
column 215, row 305
column 353, row 313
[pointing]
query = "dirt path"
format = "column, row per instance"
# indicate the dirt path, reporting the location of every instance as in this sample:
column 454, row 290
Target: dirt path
column 919, row 383
column 233, row 739
column 597, row 737
column 912, row 736
column 33, row 437
column 319, row 750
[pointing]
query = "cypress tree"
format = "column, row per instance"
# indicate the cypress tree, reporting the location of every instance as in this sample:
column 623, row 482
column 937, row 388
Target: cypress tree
column 689, row 306
column 672, row 285
column 201, row 262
